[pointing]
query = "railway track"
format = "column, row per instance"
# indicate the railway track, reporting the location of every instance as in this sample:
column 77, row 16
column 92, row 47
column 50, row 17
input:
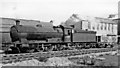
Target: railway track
column 9, row 58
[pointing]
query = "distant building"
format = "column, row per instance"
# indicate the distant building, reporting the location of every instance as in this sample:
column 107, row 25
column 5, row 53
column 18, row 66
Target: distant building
column 113, row 16
column 6, row 23
column 117, row 18
column 105, row 28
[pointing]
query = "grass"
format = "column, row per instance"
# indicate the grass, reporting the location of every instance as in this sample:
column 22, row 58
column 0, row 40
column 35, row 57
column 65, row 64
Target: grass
column 42, row 59
column 110, row 60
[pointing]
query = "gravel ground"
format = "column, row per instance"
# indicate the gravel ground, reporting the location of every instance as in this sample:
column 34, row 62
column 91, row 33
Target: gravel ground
column 105, row 59
column 99, row 59
column 55, row 61
column 110, row 60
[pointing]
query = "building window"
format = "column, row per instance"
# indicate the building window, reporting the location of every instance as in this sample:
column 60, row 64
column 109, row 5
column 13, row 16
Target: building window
column 68, row 32
column 81, row 24
column 105, row 26
column 72, row 26
column 98, row 38
column 98, row 27
column 89, row 25
column 108, row 26
column 112, row 27
column 102, row 26
column 93, row 28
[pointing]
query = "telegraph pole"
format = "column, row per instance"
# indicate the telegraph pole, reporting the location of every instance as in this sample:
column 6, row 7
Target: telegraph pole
column 118, row 23
column 118, row 32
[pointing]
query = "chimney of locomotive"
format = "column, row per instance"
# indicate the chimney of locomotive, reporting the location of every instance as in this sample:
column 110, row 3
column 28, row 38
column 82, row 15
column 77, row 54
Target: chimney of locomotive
column 51, row 21
column 17, row 22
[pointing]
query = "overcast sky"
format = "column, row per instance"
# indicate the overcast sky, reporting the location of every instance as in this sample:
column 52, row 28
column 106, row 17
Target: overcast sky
column 56, row 10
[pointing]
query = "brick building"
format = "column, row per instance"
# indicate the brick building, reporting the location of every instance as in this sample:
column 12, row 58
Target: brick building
column 105, row 28
column 6, row 23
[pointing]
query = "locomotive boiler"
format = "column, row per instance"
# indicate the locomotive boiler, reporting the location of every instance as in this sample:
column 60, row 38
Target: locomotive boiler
column 21, row 32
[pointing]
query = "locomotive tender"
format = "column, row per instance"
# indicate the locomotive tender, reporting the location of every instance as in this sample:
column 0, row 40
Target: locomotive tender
column 41, row 38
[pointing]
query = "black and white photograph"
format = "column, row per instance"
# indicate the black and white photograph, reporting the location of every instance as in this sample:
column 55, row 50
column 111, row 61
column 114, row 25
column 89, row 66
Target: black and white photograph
column 59, row 33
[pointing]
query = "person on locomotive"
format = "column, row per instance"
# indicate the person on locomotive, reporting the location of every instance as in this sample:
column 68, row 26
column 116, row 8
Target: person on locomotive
column 13, row 33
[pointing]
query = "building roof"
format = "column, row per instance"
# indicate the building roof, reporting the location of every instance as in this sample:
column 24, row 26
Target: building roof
column 8, row 22
column 18, row 19
column 35, row 22
column 117, row 19
column 77, row 18
column 106, row 20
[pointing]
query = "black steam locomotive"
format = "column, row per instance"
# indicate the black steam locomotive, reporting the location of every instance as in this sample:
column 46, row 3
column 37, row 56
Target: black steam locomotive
column 40, row 38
